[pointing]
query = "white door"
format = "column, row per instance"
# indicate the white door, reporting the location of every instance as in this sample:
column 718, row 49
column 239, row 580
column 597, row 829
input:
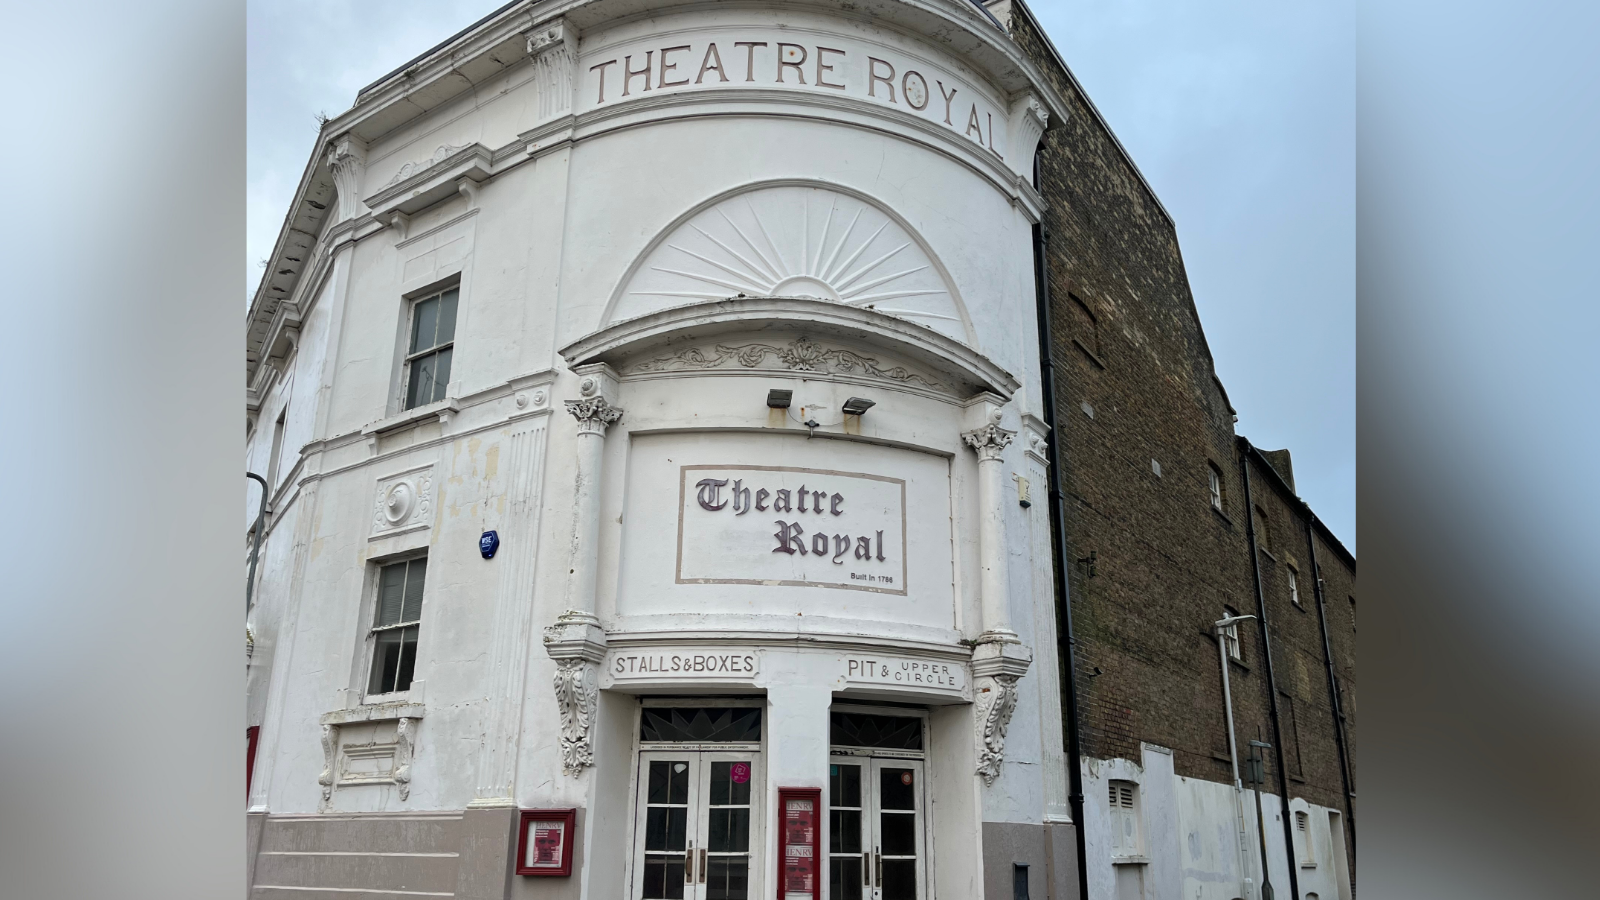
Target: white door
column 875, row 829
column 697, row 822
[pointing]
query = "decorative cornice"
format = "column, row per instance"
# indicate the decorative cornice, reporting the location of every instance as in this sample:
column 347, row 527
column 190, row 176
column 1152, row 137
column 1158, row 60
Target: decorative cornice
column 594, row 414
column 422, row 183
column 962, row 371
column 799, row 355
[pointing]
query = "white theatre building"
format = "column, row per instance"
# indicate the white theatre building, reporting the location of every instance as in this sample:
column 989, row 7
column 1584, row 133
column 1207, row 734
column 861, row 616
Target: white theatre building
column 722, row 319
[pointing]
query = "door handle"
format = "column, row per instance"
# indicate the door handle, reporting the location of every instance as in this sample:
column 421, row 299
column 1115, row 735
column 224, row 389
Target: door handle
column 702, row 865
column 866, row 869
column 688, row 864
column 878, row 854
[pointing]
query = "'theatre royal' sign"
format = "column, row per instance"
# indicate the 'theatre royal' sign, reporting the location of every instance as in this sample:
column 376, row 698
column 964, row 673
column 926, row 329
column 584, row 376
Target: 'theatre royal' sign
column 774, row 525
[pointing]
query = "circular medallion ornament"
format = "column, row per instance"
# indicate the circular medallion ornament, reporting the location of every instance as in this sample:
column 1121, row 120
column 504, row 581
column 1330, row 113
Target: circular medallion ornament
column 905, row 778
column 397, row 505
column 740, row 773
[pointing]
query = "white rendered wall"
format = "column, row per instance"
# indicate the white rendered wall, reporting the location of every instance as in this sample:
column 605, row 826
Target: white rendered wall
column 543, row 254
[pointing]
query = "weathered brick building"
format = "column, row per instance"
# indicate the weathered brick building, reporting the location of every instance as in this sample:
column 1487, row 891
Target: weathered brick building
column 1158, row 523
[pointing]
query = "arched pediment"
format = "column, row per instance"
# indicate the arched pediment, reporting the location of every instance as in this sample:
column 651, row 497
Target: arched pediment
column 789, row 335
column 795, row 239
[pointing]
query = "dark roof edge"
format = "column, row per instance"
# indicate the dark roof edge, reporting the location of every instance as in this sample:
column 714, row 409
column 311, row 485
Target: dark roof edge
column 442, row 44
column 1283, row 488
column 1126, row 156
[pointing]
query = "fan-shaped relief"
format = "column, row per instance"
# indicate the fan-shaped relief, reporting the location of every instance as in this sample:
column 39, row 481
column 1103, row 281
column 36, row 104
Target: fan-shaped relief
column 795, row 241
column 767, row 352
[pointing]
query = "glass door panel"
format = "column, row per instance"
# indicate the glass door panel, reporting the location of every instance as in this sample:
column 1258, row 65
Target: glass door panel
column 899, row 837
column 697, row 819
column 875, row 830
column 664, row 842
column 727, row 832
column 847, row 875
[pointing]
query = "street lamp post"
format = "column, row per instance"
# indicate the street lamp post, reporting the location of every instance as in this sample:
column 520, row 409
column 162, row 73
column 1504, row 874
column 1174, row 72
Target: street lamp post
column 1258, row 777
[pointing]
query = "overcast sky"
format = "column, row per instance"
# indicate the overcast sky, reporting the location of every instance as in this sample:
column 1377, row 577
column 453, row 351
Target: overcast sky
column 1241, row 116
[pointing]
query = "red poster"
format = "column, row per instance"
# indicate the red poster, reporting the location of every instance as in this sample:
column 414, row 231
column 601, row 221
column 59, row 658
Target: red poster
column 797, row 842
column 544, row 844
column 547, row 838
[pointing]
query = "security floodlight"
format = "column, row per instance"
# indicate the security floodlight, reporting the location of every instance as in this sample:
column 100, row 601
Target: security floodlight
column 855, row 406
column 777, row 399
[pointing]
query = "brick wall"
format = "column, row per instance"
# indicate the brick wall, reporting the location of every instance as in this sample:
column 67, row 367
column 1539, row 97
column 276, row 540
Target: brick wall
column 1136, row 392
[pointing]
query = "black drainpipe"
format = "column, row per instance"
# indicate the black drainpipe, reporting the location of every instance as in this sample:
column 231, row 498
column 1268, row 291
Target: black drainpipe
column 1272, row 681
column 1058, row 531
column 255, row 545
column 1333, row 693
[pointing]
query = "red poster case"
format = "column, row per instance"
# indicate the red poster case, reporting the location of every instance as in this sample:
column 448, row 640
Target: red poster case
column 799, row 839
column 544, row 841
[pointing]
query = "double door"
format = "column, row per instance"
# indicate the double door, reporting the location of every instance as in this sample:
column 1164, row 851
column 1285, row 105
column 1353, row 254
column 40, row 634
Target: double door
column 876, row 847
column 698, row 820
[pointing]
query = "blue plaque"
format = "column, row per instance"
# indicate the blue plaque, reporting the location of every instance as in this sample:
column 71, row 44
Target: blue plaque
column 489, row 543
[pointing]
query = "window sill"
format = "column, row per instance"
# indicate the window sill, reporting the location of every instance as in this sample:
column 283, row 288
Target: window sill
column 1268, row 554
column 1089, row 353
column 385, row 711
column 1239, row 665
column 442, row 409
column 1223, row 516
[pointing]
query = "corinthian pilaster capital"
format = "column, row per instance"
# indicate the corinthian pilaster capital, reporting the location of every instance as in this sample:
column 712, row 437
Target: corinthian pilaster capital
column 988, row 441
column 594, row 414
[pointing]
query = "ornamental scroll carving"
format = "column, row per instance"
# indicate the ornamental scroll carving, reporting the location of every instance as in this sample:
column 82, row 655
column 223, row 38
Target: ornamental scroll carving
column 330, row 758
column 444, row 152
column 403, row 501
column 577, row 684
column 997, row 700
column 405, row 738
column 800, row 355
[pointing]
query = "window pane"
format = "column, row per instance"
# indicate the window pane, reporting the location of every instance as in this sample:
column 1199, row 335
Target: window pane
column 736, row 792
column 730, row 830
column 666, row 828
column 411, row 610
column 700, row 724
column 844, row 785
column 391, row 587
column 441, row 375
column 419, row 385
column 899, row 837
column 727, row 878
column 408, row 659
column 424, row 324
column 663, row 878
column 447, row 317
column 720, row 782
column 896, row 789
column 866, row 730
column 657, row 785
column 385, row 662
column 678, row 784
column 844, row 878
column 844, row 831
column 899, row 879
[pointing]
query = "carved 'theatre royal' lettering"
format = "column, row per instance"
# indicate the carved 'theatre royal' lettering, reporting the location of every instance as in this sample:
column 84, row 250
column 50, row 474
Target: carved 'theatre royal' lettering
column 811, row 66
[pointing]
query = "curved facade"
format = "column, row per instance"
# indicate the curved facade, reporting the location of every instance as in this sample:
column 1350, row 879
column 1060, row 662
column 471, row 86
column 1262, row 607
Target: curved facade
column 721, row 319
